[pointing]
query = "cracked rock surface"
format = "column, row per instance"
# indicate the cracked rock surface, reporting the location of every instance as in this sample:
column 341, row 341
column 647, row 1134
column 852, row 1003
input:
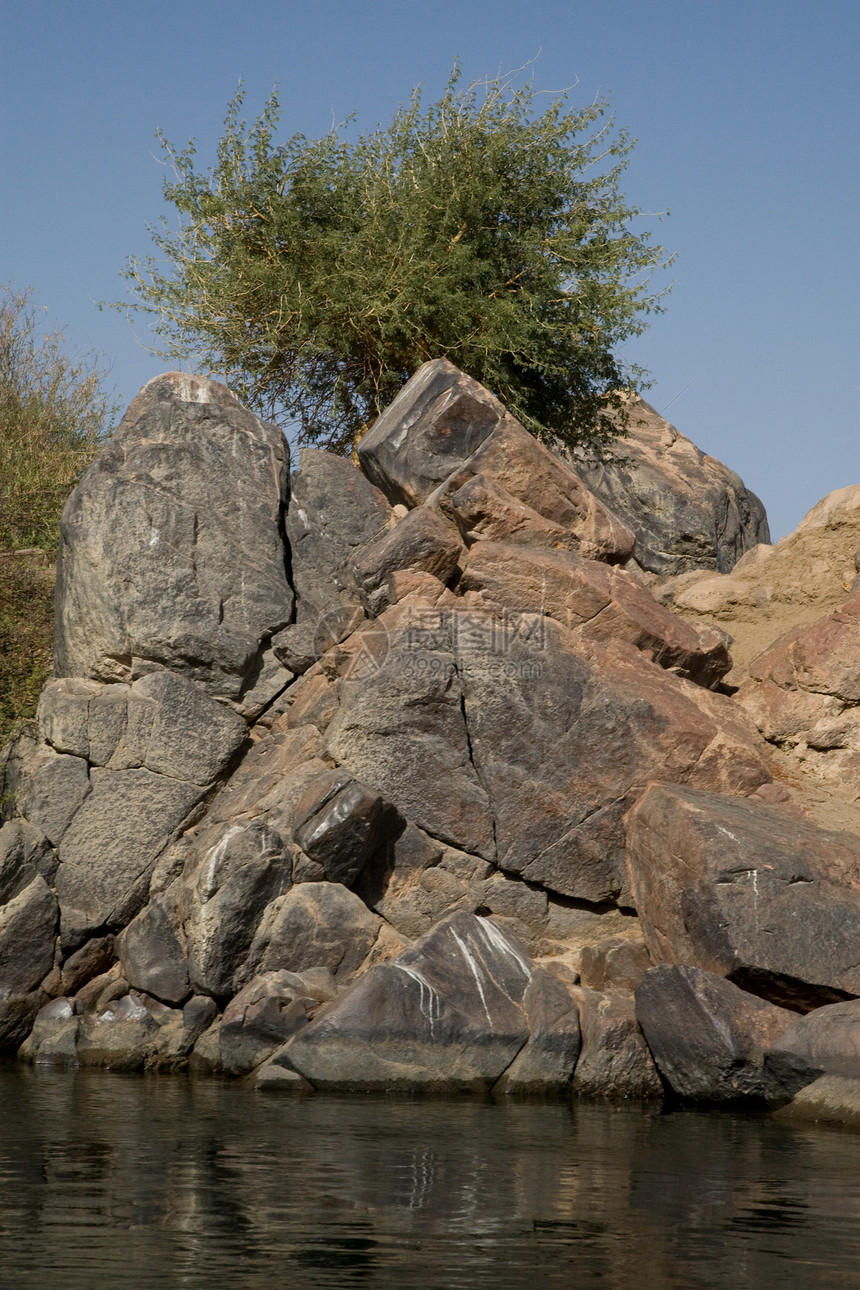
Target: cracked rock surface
column 397, row 778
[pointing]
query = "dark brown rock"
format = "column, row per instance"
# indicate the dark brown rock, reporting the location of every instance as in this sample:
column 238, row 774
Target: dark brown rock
column 806, row 686
column 748, row 891
column 24, row 853
column 91, row 960
column 334, row 511
column 447, row 1014
column 54, row 1036
column 421, row 542
column 614, row 1063
column 547, row 1062
column 484, row 511
column 152, row 951
column 121, row 1038
column 223, row 898
column 534, row 477
column 28, row 932
column 824, row 1042
column 260, row 1018
column 402, row 730
column 341, row 823
column 830, row 1099
column 687, row 510
column 707, row 1036
column 436, row 422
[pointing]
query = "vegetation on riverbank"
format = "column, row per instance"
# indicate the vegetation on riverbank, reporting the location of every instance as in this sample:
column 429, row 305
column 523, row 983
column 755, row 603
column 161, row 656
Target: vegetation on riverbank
column 54, row 414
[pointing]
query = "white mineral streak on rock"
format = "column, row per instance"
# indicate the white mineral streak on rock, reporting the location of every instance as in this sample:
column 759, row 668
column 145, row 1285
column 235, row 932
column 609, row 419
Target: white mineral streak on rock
column 499, row 942
column 429, row 1003
column 476, row 973
column 210, row 884
column 190, row 389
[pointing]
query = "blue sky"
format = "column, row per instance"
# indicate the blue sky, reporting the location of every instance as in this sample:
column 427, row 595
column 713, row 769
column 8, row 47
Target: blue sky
column 747, row 120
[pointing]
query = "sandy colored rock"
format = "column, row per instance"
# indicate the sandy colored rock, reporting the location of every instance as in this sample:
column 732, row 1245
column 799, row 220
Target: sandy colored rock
column 804, row 576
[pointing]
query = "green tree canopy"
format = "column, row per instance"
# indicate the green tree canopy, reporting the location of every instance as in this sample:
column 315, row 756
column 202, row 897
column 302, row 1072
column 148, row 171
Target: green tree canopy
column 317, row 275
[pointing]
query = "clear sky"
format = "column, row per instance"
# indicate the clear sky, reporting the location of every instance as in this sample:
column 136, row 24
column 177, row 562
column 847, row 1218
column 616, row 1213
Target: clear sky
column 746, row 115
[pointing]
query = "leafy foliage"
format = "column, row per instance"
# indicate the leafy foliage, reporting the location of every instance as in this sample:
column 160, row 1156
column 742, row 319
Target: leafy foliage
column 53, row 417
column 316, row 276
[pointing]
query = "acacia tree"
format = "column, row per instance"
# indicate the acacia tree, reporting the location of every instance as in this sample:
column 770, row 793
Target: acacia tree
column 317, row 275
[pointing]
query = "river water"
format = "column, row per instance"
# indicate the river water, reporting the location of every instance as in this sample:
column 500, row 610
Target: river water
column 110, row 1180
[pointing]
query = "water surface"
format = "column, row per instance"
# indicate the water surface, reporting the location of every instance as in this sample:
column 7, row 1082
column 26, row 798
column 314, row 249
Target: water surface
column 170, row 1182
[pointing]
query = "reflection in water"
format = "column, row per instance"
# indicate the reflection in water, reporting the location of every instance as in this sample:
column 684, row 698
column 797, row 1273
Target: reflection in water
column 175, row 1183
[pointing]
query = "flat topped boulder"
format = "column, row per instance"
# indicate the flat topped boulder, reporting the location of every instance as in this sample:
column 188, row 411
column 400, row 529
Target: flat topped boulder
column 172, row 546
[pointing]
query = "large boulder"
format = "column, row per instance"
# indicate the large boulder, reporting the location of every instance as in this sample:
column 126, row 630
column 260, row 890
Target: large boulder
column 602, row 602
column 686, row 509
column 121, row 769
column 172, row 548
column 446, row 1014
column 747, row 891
column 511, row 740
column 444, row 429
column 707, row 1037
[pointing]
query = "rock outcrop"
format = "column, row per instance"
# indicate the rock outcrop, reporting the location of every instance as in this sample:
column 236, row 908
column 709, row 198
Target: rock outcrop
column 399, row 779
column 687, row 510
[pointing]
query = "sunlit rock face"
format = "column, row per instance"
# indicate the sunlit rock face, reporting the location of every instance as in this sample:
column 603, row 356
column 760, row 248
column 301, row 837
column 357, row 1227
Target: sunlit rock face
column 394, row 777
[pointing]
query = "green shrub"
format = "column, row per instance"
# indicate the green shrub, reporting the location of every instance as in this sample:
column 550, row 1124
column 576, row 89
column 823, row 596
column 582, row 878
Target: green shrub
column 316, row 276
column 53, row 417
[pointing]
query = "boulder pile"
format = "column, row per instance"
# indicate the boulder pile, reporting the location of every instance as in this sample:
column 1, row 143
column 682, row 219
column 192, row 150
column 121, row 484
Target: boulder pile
column 400, row 777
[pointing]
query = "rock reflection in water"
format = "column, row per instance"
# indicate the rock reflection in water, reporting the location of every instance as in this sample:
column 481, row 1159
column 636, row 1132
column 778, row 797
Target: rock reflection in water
column 168, row 1182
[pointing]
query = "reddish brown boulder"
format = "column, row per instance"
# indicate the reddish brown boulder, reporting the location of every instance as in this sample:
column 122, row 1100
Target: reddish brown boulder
column 747, row 891
column 444, row 428
column 707, row 1036
column 604, row 603
column 510, row 739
